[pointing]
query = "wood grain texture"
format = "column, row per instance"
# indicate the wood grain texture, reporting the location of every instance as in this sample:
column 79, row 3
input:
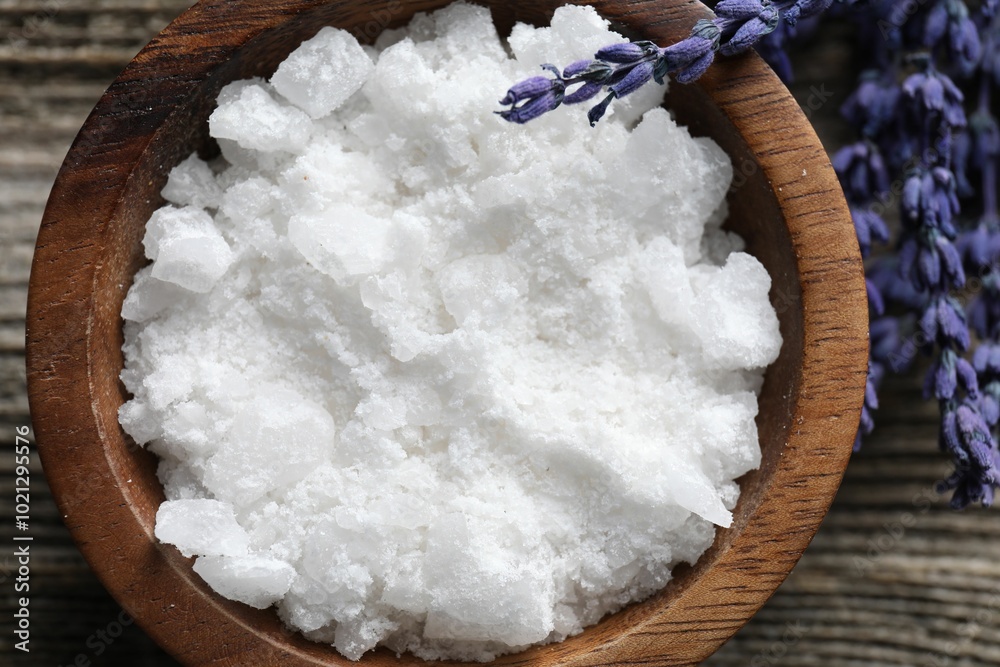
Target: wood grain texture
column 37, row 148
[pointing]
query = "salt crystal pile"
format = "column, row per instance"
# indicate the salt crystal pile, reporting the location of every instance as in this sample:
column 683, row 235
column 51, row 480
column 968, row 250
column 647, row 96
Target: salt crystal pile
column 424, row 379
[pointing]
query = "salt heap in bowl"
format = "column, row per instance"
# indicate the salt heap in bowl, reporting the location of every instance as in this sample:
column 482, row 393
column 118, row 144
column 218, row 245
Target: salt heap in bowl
column 423, row 379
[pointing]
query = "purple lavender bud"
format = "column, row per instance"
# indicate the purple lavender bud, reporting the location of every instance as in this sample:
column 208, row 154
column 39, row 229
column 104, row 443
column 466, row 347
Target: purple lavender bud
column 951, row 263
column 862, row 171
column 949, row 373
column 527, row 89
column 928, row 191
column 986, row 360
column 936, row 24
column 943, row 321
column 942, row 199
column 869, row 226
column 879, row 172
column 803, row 9
column 628, row 53
column 949, row 438
column 936, row 94
column 842, row 158
column 912, row 196
column 989, row 406
column 950, row 19
column 689, row 58
column 871, row 393
column 928, row 268
column 966, row 377
column 533, row 97
column 870, row 404
column 930, row 199
column 994, row 360
column 929, row 322
column 975, row 434
column 578, row 67
column 965, row 47
column 952, row 328
column 587, row 91
column 750, row 32
column 941, row 381
column 636, row 78
column 927, row 88
column 875, row 301
column 739, row 10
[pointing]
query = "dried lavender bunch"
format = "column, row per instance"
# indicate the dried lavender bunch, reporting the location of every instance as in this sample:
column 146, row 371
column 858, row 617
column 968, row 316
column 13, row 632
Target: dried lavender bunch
column 620, row 69
column 910, row 114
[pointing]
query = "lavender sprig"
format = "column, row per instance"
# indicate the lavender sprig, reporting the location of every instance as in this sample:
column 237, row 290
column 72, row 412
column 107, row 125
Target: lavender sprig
column 621, row 69
column 910, row 113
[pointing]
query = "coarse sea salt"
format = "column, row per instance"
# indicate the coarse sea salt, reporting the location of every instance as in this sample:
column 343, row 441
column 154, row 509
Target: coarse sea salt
column 421, row 378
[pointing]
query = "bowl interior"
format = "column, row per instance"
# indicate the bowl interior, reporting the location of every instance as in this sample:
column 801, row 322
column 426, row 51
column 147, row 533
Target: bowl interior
column 154, row 583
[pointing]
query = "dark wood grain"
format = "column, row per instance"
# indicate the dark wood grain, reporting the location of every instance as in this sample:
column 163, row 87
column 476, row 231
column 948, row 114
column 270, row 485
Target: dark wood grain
column 45, row 145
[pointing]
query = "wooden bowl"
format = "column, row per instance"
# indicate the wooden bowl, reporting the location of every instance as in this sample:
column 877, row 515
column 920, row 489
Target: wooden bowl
column 786, row 203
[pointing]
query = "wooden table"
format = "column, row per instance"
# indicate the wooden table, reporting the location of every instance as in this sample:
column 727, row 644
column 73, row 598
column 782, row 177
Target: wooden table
column 893, row 578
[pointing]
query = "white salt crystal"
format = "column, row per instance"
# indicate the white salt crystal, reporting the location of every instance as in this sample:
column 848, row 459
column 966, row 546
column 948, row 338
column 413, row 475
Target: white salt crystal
column 323, row 72
column 148, row 296
column 481, row 287
column 139, row 421
column 276, row 440
column 341, row 241
column 201, row 527
column 425, row 380
column 188, row 248
column 481, row 592
column 738, row 327
column 192, row 183
column 250, row 116
column 254, row 580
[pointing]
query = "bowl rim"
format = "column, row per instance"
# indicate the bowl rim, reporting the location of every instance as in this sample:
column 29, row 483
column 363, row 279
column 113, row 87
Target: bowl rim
column 115, row 542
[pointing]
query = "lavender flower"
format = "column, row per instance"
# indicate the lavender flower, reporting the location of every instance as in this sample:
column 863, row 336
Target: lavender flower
column 689, row 59
column 933, row 96
column 948, row 23
column 967, row 437
column 872, row 106
column 948, row 374
column 869, row 226
column 532, row 97
column 867, row 423
column 943, row 323
column 749, row 20
column 930, row 198
column 986, row 362
column 862, row 170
